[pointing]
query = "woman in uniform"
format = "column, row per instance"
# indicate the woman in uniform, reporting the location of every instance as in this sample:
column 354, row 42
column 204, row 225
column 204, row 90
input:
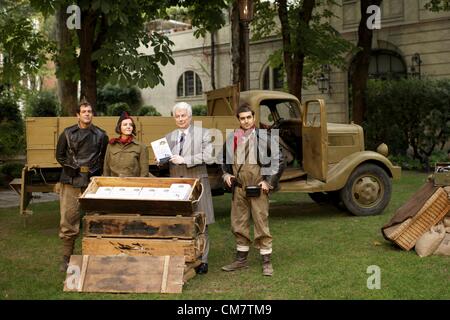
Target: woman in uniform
column 126, row 157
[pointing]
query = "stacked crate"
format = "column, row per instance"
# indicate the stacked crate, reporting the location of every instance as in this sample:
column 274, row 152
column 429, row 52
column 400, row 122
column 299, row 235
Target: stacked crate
column 137, row 227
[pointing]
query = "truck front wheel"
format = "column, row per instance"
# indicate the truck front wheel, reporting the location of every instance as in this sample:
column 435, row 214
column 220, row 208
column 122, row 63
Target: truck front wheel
column 368, row 190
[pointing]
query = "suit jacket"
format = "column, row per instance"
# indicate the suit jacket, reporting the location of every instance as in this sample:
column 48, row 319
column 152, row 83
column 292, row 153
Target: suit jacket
column 197, row 151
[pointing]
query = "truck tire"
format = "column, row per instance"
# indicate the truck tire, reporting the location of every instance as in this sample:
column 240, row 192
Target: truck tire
column 367, row 191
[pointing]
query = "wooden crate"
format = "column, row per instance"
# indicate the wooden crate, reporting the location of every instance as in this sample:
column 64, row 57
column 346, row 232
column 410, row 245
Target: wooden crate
column 128, row 226
column 190, row 249
column 434, row 209
column 125, row 274
column 441, row 178
column 137, row 206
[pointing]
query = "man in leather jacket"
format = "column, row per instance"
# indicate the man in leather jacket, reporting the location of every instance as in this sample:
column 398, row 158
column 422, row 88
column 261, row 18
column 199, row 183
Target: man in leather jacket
column 80, row 151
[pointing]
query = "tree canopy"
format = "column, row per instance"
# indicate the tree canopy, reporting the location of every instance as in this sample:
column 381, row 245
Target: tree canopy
column 24, row 50
column 309, row 40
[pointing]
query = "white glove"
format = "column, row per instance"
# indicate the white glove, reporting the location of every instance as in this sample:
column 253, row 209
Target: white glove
column 176, row 159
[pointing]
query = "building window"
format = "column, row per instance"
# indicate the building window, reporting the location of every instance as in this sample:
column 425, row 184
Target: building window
column 273, row 78
column 385, row 64
column 189, row 84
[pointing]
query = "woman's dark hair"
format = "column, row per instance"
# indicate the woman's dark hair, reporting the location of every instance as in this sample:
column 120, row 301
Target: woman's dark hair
column 122, row 117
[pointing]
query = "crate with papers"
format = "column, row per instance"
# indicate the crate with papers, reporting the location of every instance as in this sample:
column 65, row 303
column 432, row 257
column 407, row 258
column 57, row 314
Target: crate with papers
column 146, row 196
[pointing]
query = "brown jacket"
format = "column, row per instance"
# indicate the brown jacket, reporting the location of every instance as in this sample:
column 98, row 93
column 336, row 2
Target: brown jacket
column 129, row 160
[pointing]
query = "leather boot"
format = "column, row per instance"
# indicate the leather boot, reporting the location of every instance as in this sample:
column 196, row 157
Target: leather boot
column 64, row 264
column 267, row 265
column 68, row 246
column 239, row 263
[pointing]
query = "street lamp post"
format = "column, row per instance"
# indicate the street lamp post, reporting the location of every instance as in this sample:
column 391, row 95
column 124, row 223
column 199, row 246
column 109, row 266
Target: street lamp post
column 246, row 16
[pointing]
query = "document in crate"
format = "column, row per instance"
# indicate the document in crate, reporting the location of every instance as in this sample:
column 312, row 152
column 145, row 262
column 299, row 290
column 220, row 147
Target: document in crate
column 161, row 150
column 176, row 191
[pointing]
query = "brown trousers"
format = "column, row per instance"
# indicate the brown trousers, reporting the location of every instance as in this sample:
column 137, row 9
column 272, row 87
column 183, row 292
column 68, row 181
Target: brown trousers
column 69, row 226
column 255, row 208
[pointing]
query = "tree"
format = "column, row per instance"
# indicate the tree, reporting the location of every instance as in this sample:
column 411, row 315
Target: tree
column 308, row 38
column 65, row 59
column 438, row 5
column 361, row 62
column 108, row 43
column 24, row 50
column 208, row 17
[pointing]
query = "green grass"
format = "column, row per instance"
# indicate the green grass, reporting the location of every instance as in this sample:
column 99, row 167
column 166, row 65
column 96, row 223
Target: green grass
column 319, row 252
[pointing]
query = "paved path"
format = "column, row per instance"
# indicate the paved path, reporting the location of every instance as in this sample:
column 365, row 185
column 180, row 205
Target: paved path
column 9, row 198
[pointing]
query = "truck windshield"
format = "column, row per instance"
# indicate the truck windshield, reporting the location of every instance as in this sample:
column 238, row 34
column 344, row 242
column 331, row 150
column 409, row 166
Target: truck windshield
column 271, row 110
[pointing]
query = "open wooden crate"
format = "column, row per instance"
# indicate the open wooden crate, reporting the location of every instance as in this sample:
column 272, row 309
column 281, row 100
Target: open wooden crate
column 434, row 209
column 141, row 206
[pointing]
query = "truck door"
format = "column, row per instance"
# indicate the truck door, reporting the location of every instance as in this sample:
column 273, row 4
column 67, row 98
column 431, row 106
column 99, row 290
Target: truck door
column 315, row 140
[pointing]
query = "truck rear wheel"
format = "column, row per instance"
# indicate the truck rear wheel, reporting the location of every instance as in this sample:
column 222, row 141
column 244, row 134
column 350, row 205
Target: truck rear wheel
column 367, row 191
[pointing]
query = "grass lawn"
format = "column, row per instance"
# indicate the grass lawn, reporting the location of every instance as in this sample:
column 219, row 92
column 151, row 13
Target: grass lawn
column 319, row 252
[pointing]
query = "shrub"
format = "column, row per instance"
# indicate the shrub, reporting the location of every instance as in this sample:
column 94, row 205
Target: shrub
column 148, row 111
column 12, row 139
column 12, row 169
column 110, row 94
column 116, row 109
column 199, row 110
column 42, row 104
column 408, row 113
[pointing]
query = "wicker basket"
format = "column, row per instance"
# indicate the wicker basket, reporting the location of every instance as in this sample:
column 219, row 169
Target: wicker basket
column 431, row 213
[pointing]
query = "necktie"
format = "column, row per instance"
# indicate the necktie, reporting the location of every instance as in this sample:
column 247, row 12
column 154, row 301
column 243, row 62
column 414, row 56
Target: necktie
column 181, row 143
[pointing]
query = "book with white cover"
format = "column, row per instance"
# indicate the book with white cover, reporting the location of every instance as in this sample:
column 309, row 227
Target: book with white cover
column 161, row 150
column 102, row 192
column 165, row 194
column 126, row 192
column 148, row 193
column 180, row 190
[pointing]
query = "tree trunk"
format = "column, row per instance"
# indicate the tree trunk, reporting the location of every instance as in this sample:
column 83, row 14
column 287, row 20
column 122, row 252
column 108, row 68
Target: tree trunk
column 294, row 60
column 213, row 58
column 67, row 89
column 88, row 68
column 361, row 63
column 235, row 44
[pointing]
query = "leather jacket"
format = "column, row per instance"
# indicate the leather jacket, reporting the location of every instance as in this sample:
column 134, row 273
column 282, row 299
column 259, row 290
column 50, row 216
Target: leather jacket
column 81, row 153
column 272, row 162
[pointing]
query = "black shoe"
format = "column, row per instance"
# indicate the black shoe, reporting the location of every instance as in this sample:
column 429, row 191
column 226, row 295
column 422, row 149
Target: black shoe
column 202, row 268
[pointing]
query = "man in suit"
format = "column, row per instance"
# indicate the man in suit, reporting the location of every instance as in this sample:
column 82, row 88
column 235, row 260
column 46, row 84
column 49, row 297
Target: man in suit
column 192, row 149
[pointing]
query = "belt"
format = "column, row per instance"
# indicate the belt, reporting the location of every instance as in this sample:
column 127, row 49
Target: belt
column 84, row 169
column 238, row 184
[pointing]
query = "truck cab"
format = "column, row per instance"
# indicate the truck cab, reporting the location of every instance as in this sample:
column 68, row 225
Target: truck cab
column 326, row 160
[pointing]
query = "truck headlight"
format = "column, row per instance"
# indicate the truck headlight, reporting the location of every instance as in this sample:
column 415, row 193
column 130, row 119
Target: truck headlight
column 383, row 149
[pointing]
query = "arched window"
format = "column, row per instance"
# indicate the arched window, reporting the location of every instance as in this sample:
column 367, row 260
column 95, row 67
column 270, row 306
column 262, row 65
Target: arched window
column 189, row 84
column 273, row 78
column 385, row 64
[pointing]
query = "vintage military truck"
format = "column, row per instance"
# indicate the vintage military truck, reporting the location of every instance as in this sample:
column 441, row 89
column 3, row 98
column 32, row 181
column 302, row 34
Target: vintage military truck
column 325, row 160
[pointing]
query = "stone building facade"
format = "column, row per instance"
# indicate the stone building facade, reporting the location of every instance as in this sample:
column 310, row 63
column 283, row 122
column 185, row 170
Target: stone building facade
column 408, row 33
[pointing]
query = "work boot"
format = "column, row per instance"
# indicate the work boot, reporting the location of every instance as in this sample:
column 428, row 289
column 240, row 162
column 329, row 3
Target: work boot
column 67, row 251
column 239, row 263
column 64, row 264
column 267, row 265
